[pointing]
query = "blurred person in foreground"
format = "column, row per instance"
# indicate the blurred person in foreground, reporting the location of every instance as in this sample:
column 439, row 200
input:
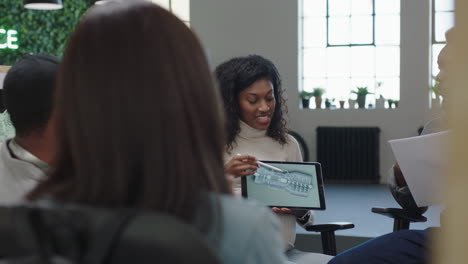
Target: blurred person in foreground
column 140, row 125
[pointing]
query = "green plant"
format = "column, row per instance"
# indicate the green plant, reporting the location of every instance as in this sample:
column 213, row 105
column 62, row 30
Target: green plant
column 435, row 88
column 361, row 91
column 318, row 92
column 39, row 31
column 305, row 95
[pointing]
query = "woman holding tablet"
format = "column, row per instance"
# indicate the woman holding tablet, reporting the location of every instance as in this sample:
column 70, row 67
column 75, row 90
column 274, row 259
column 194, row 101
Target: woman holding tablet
column 135, row 130
column 257, row 130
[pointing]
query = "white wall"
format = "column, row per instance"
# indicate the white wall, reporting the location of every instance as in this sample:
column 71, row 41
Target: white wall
column 269, row 28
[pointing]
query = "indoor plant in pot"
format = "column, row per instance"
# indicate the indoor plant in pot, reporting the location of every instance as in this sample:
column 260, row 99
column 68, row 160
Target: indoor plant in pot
column 317, row 93
column 305, row 97
column 361, row 93
column 329, row 103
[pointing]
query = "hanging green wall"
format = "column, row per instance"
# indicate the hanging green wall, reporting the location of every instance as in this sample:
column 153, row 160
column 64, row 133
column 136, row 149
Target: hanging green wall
column 39, row 31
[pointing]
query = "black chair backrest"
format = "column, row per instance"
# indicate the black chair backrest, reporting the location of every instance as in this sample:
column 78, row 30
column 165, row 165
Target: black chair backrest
column 58, row 233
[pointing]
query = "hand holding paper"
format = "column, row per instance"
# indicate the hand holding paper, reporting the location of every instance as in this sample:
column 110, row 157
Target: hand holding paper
column 423, row 161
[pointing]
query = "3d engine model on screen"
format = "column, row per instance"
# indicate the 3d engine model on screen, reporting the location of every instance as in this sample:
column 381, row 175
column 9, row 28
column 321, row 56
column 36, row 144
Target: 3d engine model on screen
column 294, row 182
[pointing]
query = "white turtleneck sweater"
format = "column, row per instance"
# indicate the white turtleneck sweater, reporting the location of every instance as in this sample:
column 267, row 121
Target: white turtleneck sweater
column 254, row 142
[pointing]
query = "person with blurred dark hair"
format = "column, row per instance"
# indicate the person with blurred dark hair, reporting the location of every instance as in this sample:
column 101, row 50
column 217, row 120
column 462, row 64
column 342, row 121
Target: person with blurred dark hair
column 27, row 96
column 257, row 130
column 140, row 125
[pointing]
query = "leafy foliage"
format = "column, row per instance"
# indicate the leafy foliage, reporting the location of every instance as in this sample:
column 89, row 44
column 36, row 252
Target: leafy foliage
column 435, row 87
column 39, row 31
column 361, row 91
column 318, row 91
column 305, row 95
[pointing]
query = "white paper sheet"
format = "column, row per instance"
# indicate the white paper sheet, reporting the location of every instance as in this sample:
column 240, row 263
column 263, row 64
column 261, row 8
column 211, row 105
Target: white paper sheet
column 423, row 161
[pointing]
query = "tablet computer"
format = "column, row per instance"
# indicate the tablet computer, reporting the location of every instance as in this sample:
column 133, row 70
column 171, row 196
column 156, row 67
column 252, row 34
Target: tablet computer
column 296, row 185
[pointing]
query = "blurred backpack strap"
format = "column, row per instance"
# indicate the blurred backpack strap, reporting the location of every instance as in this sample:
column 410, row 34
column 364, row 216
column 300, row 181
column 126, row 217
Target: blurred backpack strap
column 107, row 236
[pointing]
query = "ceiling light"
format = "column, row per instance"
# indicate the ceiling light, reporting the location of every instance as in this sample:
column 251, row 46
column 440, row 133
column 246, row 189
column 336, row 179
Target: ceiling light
column 43, row 4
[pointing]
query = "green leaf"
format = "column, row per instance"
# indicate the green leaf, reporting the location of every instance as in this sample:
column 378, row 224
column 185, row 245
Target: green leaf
column 39, row 31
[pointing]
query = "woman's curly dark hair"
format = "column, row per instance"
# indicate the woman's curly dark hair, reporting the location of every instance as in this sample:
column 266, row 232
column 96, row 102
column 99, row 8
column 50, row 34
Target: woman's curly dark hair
column 239, row 73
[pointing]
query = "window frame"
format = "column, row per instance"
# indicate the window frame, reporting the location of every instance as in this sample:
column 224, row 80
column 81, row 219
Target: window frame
column 350, row 44
column 389, row 80
column 433, row 27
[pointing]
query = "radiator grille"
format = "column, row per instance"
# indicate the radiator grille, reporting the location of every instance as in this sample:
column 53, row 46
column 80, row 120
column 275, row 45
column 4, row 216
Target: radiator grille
column 349, row 154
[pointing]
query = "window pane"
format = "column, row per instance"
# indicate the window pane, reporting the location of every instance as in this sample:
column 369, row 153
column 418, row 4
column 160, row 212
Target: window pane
column 363, row 61
column 444, row 5
column 310, row 83
column 315, row 32
column 339, row 7
column 436, row 48
column 338, row 31
column 387, row 6
column 387, row 61
column 338, row 87
column 341, row 69
column 181, row 8
column 314, row 8
column 314, row 60
column 163, row 3
column 387, row 30
column 361, row 29
column 443, row 22
column 338, row 62
column 390, row 88
column 361, row 7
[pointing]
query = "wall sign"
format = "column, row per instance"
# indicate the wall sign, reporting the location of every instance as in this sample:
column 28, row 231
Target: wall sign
column 8, row 39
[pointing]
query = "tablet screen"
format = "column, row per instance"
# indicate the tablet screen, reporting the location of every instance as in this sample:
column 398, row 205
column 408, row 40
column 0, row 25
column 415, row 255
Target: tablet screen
column 286, row 184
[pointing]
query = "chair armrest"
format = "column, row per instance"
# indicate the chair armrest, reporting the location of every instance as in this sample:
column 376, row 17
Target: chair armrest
column 327, row 234
column 402, row 217
column 329, row 227
column 400, row 213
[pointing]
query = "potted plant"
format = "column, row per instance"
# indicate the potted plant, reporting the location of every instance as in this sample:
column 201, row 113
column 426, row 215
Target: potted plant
column 390, row 102
column 396, row 102
column 361, row 93
column 329, row 103
column 317, row 93
column 342, row 102
column 305, row 97
column 352, row 103
column 380, row 102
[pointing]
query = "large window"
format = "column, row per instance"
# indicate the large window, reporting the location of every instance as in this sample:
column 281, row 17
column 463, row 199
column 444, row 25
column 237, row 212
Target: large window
column 443, row 18
column 348, row 44
column 181, row 8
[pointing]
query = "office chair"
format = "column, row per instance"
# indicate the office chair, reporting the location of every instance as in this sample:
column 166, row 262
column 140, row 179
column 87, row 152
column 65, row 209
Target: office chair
column 327, row 231
column 45, row 233
column 409, row 211
column 327, row 234
column 302, row 145
column 401, row 217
